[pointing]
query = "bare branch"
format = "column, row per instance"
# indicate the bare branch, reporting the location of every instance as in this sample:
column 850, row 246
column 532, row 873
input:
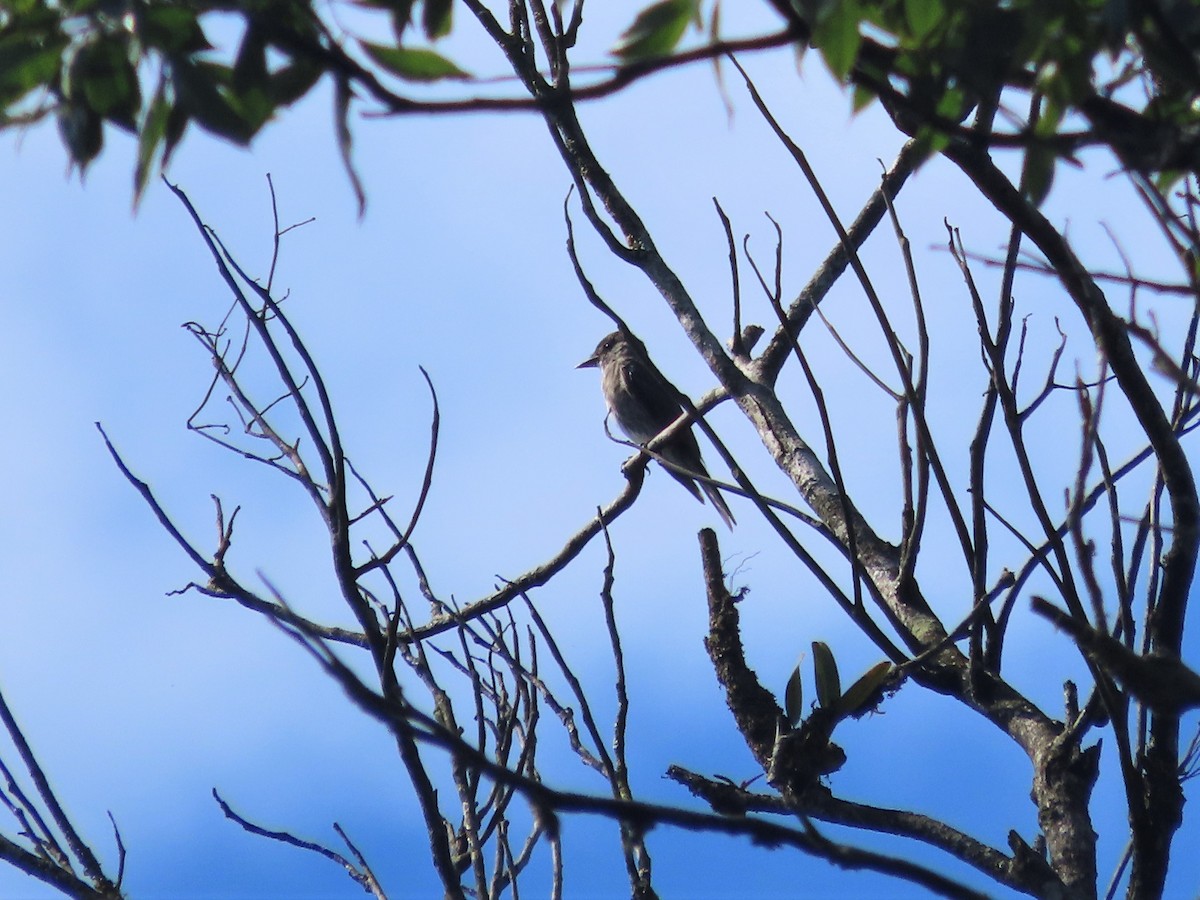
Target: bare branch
column 361, row 873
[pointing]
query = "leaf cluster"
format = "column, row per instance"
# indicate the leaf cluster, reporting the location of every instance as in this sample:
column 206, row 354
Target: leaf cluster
column 860, row 698
column 1107, row 72
column 148, row 68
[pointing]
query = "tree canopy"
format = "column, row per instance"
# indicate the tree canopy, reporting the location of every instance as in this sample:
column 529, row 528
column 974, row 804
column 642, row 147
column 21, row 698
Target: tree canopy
column 1096, row 72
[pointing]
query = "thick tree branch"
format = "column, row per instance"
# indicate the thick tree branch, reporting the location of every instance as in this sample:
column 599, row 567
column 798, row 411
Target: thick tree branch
column 1154, row 824
column 1163, row 683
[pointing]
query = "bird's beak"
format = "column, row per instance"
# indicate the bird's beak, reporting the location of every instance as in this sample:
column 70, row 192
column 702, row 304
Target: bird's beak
column 590, row 363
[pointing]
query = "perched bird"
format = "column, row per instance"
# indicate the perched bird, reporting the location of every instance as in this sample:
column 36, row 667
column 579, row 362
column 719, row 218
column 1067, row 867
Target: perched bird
column 644, row 403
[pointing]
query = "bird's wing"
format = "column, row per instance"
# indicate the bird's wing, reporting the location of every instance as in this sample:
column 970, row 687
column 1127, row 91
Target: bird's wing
column 719, row 502
column 657, row 397
column 654, row 393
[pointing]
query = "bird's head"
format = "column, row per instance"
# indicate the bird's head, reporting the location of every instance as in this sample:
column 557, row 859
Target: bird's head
column 611, row 346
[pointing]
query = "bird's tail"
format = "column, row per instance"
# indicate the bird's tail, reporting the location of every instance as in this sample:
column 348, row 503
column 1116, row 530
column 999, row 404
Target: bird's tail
column 719, row 502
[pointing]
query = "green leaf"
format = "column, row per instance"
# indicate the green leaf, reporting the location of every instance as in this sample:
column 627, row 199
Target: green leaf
column 254, row 107
column 864, row 690
column 172, row 29
column 932, row 140
column 1037, row 174
column 1166, row 180
column 20, row 7
column 838, row 38
column 28, row 61
column 414, row 64
column 292, row 82
column 952, row 104
column 793, row 698
column 154, row 129
column 829, row 687
column 1050, row 118
column 437, row 18
column 656, row 30
column 862, row 98
column 923, row 16
column 102, row 75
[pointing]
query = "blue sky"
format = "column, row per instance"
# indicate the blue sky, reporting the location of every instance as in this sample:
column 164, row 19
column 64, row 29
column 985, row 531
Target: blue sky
column 141, row 703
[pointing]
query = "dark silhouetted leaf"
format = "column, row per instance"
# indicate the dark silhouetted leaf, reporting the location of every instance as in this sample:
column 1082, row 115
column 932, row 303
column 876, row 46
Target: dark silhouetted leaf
column 342, row 97
column 793, row 698
column 82, row 132
column 292, row 82
column 198, row 89
column 254, row 107
column 437, row 18
column 250, row 67
column 102, row 75
column 401, row 15
column 829, row 686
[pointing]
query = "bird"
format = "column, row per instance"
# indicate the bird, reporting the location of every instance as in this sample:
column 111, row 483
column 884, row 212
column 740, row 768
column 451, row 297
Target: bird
column 644, row 403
